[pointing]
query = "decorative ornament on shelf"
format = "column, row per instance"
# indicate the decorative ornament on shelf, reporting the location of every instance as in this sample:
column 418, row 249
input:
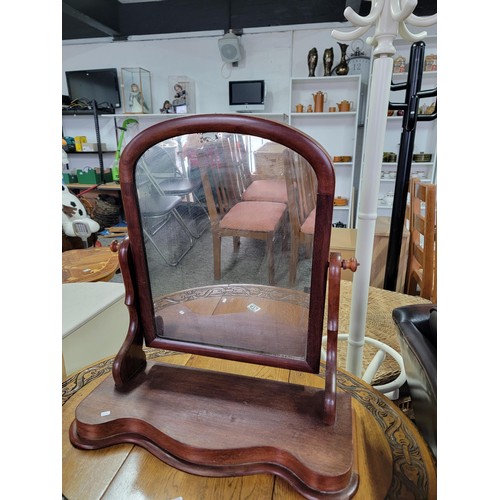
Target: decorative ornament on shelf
column 430, row 63
column 136, row 90
column 182, row 95
column 328, row 61
column 345, row 106
column 359, row 63
column 312, row 61
column 167, row 107
column 339, row 224
column 319, row 100
column 342, row 67
column 399, row 65
column 431, row 108
column 339, row 201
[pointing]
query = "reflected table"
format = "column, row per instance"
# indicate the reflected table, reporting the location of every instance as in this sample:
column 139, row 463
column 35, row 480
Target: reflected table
column 89, row 264
column 284, row 327
column 255, row 318
column 393, row 459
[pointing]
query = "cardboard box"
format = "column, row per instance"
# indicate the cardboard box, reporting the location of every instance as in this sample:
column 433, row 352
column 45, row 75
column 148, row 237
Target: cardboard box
column 269, row 160
column 344, row 241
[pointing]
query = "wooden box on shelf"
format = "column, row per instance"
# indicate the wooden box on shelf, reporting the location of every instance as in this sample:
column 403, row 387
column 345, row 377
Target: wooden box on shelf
column 343, row 240
column 269, row 160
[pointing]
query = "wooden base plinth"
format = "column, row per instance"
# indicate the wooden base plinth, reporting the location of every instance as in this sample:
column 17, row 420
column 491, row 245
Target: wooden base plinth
column 217, row 424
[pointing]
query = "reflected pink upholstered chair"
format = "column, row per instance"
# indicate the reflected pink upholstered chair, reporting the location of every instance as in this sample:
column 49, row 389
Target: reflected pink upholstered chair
column 230, row 214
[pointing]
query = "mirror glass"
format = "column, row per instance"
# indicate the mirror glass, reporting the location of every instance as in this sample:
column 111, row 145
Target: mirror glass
column 227, row 221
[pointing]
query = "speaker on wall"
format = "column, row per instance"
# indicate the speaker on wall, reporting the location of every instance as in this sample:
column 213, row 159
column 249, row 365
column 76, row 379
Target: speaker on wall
column 229, row 48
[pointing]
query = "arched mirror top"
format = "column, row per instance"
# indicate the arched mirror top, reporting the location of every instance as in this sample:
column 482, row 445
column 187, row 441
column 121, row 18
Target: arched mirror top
column 229, row 222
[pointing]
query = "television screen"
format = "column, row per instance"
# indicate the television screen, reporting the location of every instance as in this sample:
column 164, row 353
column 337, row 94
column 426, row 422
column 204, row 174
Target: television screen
column 100, row 85
column 247, row 95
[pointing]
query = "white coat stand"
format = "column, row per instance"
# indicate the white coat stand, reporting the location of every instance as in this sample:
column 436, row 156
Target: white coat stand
column 389, row 18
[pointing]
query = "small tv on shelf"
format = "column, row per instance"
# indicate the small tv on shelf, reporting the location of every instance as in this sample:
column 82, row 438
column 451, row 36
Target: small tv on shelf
column 247, row 96
column 100, row 85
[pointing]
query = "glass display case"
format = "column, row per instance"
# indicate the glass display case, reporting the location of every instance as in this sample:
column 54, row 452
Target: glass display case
column 182, row 94
column 136, row 90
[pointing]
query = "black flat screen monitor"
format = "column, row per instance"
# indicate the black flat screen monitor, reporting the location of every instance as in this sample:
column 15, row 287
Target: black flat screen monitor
column 100, row 85
column 247, row 95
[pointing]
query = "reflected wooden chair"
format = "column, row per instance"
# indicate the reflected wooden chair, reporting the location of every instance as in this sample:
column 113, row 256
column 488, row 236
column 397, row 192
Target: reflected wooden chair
column 421, row 274
column 255, row 189
column 301, row 186
column 230, row 214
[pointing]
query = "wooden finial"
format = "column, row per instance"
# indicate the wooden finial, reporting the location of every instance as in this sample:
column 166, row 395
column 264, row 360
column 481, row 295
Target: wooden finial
column 351, row 264
column 114, row 245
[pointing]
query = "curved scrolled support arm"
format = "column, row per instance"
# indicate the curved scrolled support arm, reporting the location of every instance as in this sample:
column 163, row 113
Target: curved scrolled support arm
column 350, row 35
column 363, row 23
column 357, row 20
column 389, row 18
column 400, row 12
column 408, row 35
column 422, row 21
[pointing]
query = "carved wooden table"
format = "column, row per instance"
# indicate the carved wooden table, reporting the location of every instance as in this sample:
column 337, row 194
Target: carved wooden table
column 393, row 459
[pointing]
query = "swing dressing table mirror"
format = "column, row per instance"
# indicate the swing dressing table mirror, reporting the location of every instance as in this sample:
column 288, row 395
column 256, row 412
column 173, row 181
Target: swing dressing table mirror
column 208, row 271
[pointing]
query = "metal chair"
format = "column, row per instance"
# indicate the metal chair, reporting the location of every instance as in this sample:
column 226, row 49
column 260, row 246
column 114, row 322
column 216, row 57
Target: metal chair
column 168, row 168
column 157, row 210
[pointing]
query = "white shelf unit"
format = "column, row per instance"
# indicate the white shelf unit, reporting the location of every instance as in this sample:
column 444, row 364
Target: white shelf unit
column 335, row 131
column 84, row 125
column 426, row 133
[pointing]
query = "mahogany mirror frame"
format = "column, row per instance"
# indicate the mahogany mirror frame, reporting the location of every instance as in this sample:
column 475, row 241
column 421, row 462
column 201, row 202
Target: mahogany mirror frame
column 131, row 359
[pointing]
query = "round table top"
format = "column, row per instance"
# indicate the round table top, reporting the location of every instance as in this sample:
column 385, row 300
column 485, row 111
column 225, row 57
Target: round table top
column 393, row 460
column 89, row 264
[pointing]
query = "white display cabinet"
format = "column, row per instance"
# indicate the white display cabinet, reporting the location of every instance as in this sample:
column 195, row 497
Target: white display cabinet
column 335, row 131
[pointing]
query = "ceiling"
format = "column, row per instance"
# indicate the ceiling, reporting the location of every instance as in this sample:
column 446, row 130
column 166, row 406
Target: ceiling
column 84, row 19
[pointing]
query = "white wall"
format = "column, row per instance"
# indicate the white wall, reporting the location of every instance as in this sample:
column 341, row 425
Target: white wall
column 272, row 56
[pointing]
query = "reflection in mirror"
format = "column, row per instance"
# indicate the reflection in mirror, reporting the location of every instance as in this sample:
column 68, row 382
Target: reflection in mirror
column 228, row 221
